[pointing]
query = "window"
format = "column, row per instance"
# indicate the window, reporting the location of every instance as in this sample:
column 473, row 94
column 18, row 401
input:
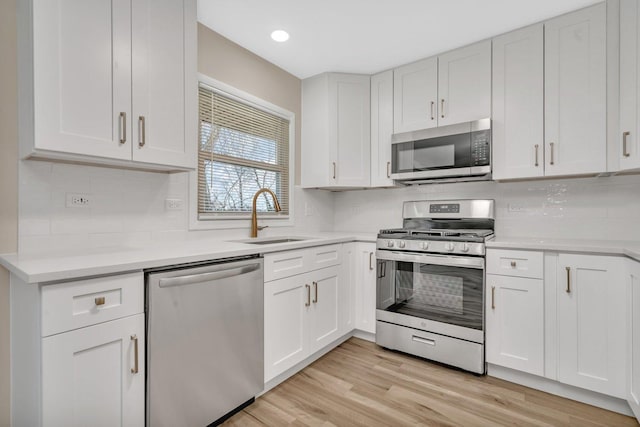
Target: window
column 242, row 148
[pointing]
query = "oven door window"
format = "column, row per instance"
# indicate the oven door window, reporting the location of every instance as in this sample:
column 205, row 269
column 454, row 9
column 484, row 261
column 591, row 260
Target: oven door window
column 445, row 152
column 452, row 295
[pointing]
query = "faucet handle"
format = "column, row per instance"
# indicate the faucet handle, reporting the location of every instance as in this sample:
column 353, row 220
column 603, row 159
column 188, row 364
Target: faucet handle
column 262, row 227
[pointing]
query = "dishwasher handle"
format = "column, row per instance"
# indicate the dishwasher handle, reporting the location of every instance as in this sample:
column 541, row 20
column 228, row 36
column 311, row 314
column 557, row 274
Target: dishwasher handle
column 207, row 277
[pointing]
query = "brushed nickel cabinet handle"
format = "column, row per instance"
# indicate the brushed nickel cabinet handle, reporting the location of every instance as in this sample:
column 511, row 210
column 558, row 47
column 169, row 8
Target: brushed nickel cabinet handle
column 433, row 104
column 315, row 292
column 513, row 264
column 493, row 298
column 123, row 127
column 308, row 303
column 568, row 290
column 388, row 169
column 99, row 300
column 141, row 132
column 536, row 155
column 624, row 144
column 551, row 160
column 370, row 260
column 442, row 108
column 334, row 170
column 134, row 338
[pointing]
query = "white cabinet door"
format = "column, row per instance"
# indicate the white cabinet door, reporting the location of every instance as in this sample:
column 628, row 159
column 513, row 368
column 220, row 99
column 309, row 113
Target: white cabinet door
column 518, row 104
column 336, row 143
column 82, row 77
column 575, row 93
column 629, row 84
column 286, row 310
column 464, row 84
column 633, row 364
column 381, row 128
column 350, row 126
column 163, row 81
column 87, row 377
column 415, row 95
column 324, row 325
column 515, row 323
column 366, row 287
column 592, row 323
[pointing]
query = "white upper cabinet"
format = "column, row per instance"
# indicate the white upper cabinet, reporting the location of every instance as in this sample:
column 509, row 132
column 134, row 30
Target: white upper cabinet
column 452, row 88
column 575, row 93
column 464, row 84
column 415, row 95
column 381, row 128
column 164, row 89
column 110, row 82
column 518, row 104
column 629, row 85
column 336, row 141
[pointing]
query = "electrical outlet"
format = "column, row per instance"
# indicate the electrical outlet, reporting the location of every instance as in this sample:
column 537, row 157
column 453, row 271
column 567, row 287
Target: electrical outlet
column 78, row 200
column 173, row 204
column 308, row 209
column 514, row 207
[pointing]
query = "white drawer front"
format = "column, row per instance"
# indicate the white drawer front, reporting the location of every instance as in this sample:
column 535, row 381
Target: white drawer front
column 284, row 264
column 516, row 263
column 72, row 305
column 325, row 256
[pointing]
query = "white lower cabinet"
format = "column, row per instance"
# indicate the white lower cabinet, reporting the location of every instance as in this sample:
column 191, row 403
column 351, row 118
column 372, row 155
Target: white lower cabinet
column 365, row 269
column 94, row 375
column 515, row 323
column 633, row 351
column 304, row 312
column 591, row 323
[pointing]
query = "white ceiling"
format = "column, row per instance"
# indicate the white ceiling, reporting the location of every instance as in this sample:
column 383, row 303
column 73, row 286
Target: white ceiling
column 367, row 36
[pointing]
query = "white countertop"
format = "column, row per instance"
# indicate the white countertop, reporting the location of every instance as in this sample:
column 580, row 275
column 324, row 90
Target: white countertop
column 94, row 262
column 607, row 247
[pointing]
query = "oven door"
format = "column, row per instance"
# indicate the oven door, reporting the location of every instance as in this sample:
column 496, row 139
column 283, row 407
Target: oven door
column 438, row 293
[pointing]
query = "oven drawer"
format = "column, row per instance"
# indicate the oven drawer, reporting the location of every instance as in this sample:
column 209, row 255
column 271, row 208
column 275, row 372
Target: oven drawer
column 517, row 263
column 452, row 351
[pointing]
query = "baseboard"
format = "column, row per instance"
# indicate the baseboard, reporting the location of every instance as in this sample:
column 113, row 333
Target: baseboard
column 570, row 392
column 368, row 336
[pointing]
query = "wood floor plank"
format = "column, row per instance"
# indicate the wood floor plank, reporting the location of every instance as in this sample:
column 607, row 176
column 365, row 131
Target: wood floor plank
column 361, row 384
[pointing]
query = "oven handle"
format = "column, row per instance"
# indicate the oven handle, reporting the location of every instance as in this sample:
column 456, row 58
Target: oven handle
column 453, row 261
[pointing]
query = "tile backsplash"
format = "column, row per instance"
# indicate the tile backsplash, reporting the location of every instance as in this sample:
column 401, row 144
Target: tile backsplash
column 127, row 209
column 577, row 208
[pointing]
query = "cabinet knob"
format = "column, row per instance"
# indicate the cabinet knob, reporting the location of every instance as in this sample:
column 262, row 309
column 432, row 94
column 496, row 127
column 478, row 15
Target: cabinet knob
column 99, row 300
column 513, row 264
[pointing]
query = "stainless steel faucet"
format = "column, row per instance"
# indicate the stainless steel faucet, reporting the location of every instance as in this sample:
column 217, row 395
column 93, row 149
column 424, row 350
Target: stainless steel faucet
column 254, row 214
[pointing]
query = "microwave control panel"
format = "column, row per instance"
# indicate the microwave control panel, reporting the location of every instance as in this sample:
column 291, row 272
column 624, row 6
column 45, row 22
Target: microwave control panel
column 480, row 148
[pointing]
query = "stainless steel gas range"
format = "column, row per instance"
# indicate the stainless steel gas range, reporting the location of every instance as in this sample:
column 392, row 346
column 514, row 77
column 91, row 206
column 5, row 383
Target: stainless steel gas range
column 430, row 282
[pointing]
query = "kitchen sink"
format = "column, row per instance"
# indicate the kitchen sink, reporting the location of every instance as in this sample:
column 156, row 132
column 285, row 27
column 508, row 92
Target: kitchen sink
column 272, row 240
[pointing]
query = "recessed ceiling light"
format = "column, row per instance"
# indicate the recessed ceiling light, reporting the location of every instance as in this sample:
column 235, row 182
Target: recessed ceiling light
column 280, row 36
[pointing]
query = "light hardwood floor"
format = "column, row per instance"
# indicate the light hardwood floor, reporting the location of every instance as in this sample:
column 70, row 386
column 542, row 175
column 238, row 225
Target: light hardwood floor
column 361, row 384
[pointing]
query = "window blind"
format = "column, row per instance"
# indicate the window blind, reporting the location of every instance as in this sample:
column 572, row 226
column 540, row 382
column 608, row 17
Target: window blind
column 242, row 148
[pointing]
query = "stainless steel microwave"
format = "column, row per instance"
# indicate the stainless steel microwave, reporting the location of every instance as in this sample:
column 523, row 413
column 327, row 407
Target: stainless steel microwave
column 460, row 152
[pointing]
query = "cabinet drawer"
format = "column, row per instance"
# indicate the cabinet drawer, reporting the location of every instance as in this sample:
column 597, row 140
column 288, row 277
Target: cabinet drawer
column 515, row 263
column 72, row 305
column 324, row 256
column 285, row 264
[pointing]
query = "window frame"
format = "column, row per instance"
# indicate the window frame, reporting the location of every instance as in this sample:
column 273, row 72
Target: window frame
column 231, row 221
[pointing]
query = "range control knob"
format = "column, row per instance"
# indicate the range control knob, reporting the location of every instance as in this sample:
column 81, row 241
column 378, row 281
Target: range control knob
column 448, row 246
column 390, row 244
column 464, row 247
column 401, row 244
column 425, row 245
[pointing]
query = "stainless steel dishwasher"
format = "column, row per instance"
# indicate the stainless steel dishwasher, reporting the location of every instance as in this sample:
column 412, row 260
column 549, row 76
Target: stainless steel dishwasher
column 205, row 341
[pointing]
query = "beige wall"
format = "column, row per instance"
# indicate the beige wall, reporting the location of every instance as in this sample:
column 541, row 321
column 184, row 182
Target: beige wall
column 223, row 60
column 8, row 182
